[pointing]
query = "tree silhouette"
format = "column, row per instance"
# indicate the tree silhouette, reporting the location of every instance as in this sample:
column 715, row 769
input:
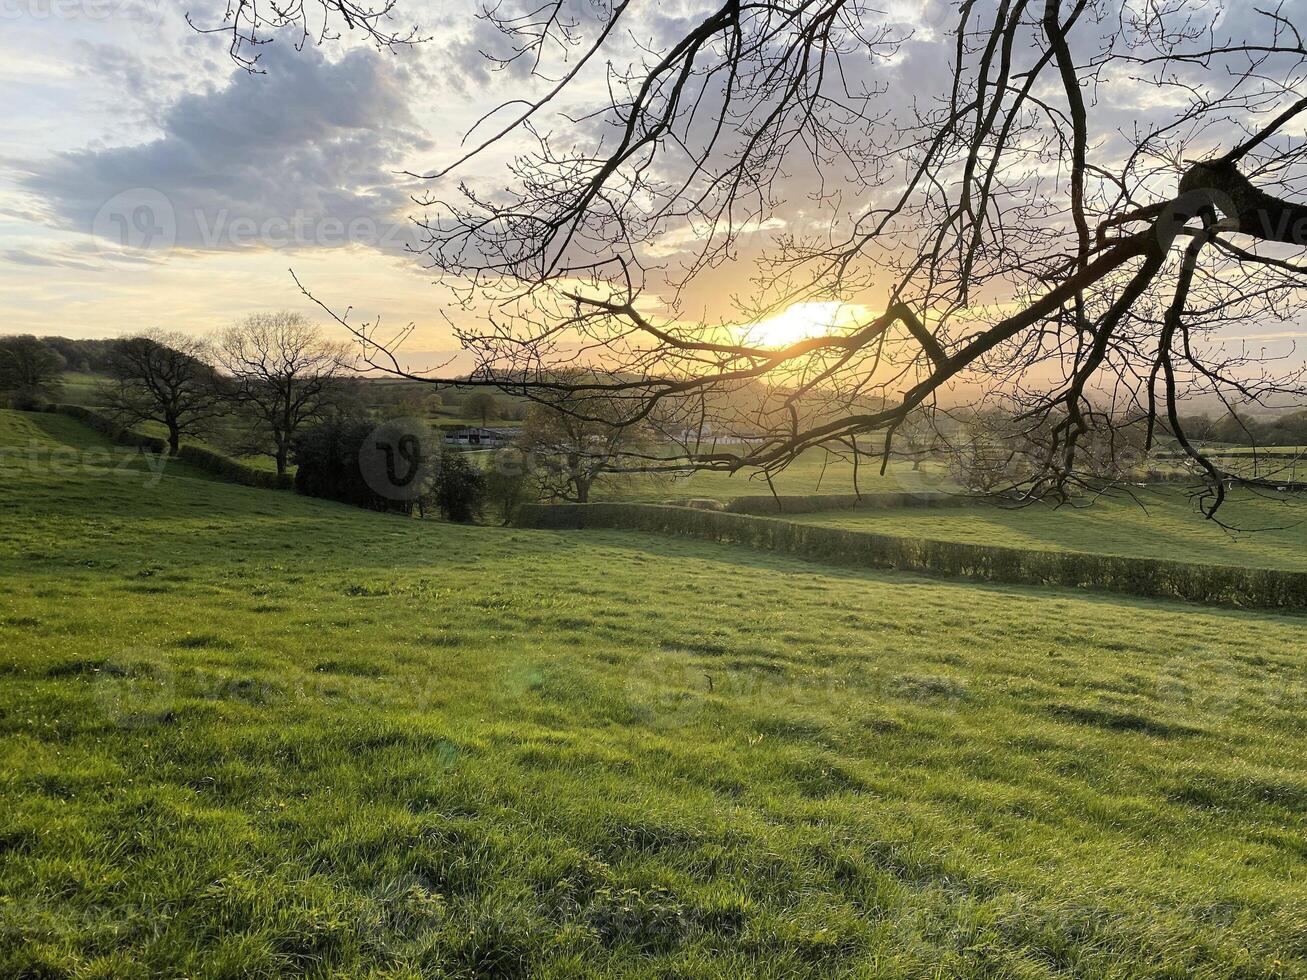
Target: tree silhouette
column 166, row 377
column 1001, row 227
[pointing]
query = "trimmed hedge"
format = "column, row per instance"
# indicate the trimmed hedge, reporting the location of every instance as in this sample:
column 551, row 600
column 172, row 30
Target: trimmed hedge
column 1146, row 577
column 108, row 427
column 236, row 472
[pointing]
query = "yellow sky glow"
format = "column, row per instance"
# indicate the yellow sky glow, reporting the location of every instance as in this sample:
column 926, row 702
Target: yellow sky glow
column 803, row 321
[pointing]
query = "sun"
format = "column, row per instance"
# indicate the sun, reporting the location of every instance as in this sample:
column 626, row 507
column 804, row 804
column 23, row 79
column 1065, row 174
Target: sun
column 801, row 321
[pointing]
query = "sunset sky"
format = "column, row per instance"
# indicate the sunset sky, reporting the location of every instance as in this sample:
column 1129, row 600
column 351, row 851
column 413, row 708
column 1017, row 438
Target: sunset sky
column 146, row 181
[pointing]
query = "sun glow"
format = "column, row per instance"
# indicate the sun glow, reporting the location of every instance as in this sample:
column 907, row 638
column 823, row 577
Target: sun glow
column 803, row 321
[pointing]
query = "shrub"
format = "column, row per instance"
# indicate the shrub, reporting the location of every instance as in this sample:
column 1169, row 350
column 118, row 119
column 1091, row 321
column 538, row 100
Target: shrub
column 354, row 461
column 327, row 462
column 28, row 401
column 230, row 469
column 1150, row 577
column 460, row 489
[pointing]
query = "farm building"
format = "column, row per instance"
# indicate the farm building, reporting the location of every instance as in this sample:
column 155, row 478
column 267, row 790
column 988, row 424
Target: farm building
column 486, row 438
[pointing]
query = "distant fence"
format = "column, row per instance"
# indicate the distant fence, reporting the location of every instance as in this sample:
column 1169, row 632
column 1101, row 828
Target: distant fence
column 106, row 426
column 1146, row 577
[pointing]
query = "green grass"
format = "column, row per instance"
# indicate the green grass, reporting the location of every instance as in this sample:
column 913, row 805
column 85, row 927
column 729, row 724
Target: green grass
column 815, row 471
column 248, row 734
column 80, row 388
column 1270, row 531
column 37, row 448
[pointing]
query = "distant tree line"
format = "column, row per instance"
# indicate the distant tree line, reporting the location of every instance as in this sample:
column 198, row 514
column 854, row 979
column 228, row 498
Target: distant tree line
column 269, row 385
column 30, row 371
column 1288, row 429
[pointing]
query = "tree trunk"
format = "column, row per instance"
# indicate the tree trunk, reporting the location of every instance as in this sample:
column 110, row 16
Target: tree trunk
column 174, row 440
column 283, row 452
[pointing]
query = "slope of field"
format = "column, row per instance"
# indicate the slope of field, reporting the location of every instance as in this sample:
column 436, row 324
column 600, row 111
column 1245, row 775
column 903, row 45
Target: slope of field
column 245, row 734
column 1264, row 530
column 41, row 448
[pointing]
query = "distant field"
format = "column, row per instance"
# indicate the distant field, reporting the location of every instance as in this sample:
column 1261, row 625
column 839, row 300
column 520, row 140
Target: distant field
column 816, row 471
column 1164, row 523
column 243, row 733
column 82, row 389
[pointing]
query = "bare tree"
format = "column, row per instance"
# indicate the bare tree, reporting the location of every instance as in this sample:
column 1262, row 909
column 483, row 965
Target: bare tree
column 166, row 377
column 1009, row 230
column 568, row 452
column 249, row 25
column 284, row 374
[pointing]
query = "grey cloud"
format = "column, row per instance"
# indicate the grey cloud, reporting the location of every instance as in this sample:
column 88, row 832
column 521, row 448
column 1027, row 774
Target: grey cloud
column 303, row 156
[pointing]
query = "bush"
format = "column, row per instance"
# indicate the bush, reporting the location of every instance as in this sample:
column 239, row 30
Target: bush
column 28, row 401
column 326, row 458
column 1149, row 577
column 355, row 461
column 460, row 489
column 230, row 469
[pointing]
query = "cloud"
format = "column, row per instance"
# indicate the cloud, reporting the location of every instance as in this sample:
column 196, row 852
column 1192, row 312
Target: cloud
column 82, row 256
column 22, row 256
column 301, row 157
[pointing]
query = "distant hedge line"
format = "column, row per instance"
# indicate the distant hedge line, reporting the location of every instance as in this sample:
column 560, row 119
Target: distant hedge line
column 765, row 505
column 108, row 427
column 1147, row 577
column 234, row 471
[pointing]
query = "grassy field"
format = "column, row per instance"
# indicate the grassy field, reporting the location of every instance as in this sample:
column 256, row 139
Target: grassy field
column 80, row 388
column 247, row 734
column 816, row 471
column 1160, row 523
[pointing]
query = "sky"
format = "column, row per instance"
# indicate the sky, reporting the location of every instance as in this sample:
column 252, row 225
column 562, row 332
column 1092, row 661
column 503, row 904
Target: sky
column 146, row 181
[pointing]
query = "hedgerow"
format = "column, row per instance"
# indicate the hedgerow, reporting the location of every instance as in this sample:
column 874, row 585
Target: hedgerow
column 234, row 471
column 1147, row 577
column 108, row 427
